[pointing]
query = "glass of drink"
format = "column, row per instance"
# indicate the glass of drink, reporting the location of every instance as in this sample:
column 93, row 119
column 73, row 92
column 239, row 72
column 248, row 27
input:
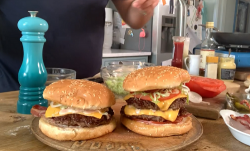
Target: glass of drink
column 177, row 58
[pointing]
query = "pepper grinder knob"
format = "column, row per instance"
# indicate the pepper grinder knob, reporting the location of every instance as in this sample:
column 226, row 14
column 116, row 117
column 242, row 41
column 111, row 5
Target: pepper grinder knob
column 32, row 75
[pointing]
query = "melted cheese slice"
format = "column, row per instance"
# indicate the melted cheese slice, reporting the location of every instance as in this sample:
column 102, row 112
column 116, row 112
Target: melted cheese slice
column 169, row 115
column 164, row 105
column 54, row 112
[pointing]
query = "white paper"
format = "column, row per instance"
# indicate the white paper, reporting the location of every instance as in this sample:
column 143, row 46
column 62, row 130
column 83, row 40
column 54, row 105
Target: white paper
column 117, row 20
column 122, row 40
column 194, row 40
column 122, row 28
column 167, row 62
column 123, row 32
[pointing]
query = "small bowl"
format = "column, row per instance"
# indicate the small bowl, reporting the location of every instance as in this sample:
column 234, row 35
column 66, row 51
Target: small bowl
column 114, row 74
column 234, row 99
column 55, row 74
column 240, row 132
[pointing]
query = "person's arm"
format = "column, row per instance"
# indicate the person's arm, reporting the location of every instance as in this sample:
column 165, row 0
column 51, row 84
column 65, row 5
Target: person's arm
column 136, row 13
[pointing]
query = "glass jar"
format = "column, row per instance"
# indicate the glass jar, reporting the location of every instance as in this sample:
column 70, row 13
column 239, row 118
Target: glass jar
column 226, row 69
column 177, row 59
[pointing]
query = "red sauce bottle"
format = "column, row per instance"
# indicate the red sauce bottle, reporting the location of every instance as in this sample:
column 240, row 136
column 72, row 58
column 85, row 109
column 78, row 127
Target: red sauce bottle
column 178, row 51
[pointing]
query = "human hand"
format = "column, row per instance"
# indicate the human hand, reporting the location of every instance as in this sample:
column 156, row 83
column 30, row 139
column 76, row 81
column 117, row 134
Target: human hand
column 147, row 6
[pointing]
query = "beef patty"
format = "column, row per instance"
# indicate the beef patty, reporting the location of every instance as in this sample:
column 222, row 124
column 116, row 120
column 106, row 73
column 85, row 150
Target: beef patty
column 81, row 120
column 144, row 104
column 182, row 112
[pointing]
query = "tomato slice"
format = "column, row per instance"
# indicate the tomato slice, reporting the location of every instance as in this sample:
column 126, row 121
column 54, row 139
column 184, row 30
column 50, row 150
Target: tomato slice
column 147, row 97
column 206, row 87
column 207, row 81
column 169, row 97
column 216, row 89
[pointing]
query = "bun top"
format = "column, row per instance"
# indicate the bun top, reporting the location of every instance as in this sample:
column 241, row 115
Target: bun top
column 79, row 94
column 158, row 77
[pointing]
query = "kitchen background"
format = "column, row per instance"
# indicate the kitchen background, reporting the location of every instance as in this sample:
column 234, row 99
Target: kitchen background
column 123, row 43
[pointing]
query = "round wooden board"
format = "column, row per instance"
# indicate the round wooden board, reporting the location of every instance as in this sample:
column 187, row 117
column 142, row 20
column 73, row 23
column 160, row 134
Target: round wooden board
column 123, row 139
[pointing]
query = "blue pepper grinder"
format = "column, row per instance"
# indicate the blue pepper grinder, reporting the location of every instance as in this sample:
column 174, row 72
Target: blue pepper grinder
column 32, row 75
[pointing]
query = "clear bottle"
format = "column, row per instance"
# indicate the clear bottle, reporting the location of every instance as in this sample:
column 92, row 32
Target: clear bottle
column 207, row 47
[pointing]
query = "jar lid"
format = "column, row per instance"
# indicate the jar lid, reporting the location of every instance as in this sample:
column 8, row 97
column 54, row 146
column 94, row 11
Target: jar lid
column 212, row 59
column 32, row 23
column 225, row 59
column 210, row 25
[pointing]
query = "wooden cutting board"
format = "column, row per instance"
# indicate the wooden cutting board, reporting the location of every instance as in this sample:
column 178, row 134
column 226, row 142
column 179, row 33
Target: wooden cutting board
column 122, row 139
column 241, row 75
column 217, row 103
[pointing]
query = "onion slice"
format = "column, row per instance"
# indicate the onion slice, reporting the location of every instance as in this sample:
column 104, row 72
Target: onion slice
column 194, row 97
column 54, row 106
column 185, row 89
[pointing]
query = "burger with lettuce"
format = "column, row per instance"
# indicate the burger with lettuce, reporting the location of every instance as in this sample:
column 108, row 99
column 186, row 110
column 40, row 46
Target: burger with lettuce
column 78, row 110
column 156, row 103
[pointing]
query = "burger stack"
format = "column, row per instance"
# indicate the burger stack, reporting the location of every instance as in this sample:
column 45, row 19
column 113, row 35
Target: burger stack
column 155, row 105
column 81, row 109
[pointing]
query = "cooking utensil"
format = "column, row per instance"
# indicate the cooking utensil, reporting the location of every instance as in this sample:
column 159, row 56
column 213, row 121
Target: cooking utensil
column 227, row 38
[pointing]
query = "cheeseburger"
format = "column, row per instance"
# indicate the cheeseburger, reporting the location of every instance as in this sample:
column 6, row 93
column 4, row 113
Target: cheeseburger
column 79, row 110
column 155, row 105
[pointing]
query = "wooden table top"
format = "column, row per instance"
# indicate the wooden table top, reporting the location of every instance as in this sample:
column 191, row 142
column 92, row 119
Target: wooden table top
column 16, row 134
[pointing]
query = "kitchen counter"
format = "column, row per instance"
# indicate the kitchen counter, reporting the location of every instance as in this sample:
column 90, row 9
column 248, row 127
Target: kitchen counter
column 108, row 53
column 16, row 135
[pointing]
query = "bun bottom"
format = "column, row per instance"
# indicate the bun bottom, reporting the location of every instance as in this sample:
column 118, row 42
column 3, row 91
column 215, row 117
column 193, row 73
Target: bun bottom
column 74, row 134
column 157, row 130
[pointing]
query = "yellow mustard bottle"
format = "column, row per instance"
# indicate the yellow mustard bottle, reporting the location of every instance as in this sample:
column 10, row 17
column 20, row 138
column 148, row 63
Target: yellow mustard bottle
column 226, row 69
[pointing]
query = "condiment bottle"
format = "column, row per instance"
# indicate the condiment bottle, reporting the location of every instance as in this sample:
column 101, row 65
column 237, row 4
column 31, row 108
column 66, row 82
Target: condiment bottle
column 211, row 67
column 226, row 69
column 207, row 47
column 177, row 59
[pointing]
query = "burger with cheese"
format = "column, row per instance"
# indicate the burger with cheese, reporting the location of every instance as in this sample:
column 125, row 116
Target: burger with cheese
column 155, row 105
column 79, row 110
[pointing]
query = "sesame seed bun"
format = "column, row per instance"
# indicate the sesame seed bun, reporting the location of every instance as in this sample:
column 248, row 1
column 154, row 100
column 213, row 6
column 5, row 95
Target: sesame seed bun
column 158, row 130
column 159, row 77
column 75, row 133
column 79, row 94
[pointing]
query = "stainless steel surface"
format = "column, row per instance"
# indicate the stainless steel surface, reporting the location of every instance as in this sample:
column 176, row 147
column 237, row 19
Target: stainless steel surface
column 229, row 52
column 165, row 24
column 181, row 18
column 163, row 20
column 33, row 13
column 110, row 53
column 226, row 38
